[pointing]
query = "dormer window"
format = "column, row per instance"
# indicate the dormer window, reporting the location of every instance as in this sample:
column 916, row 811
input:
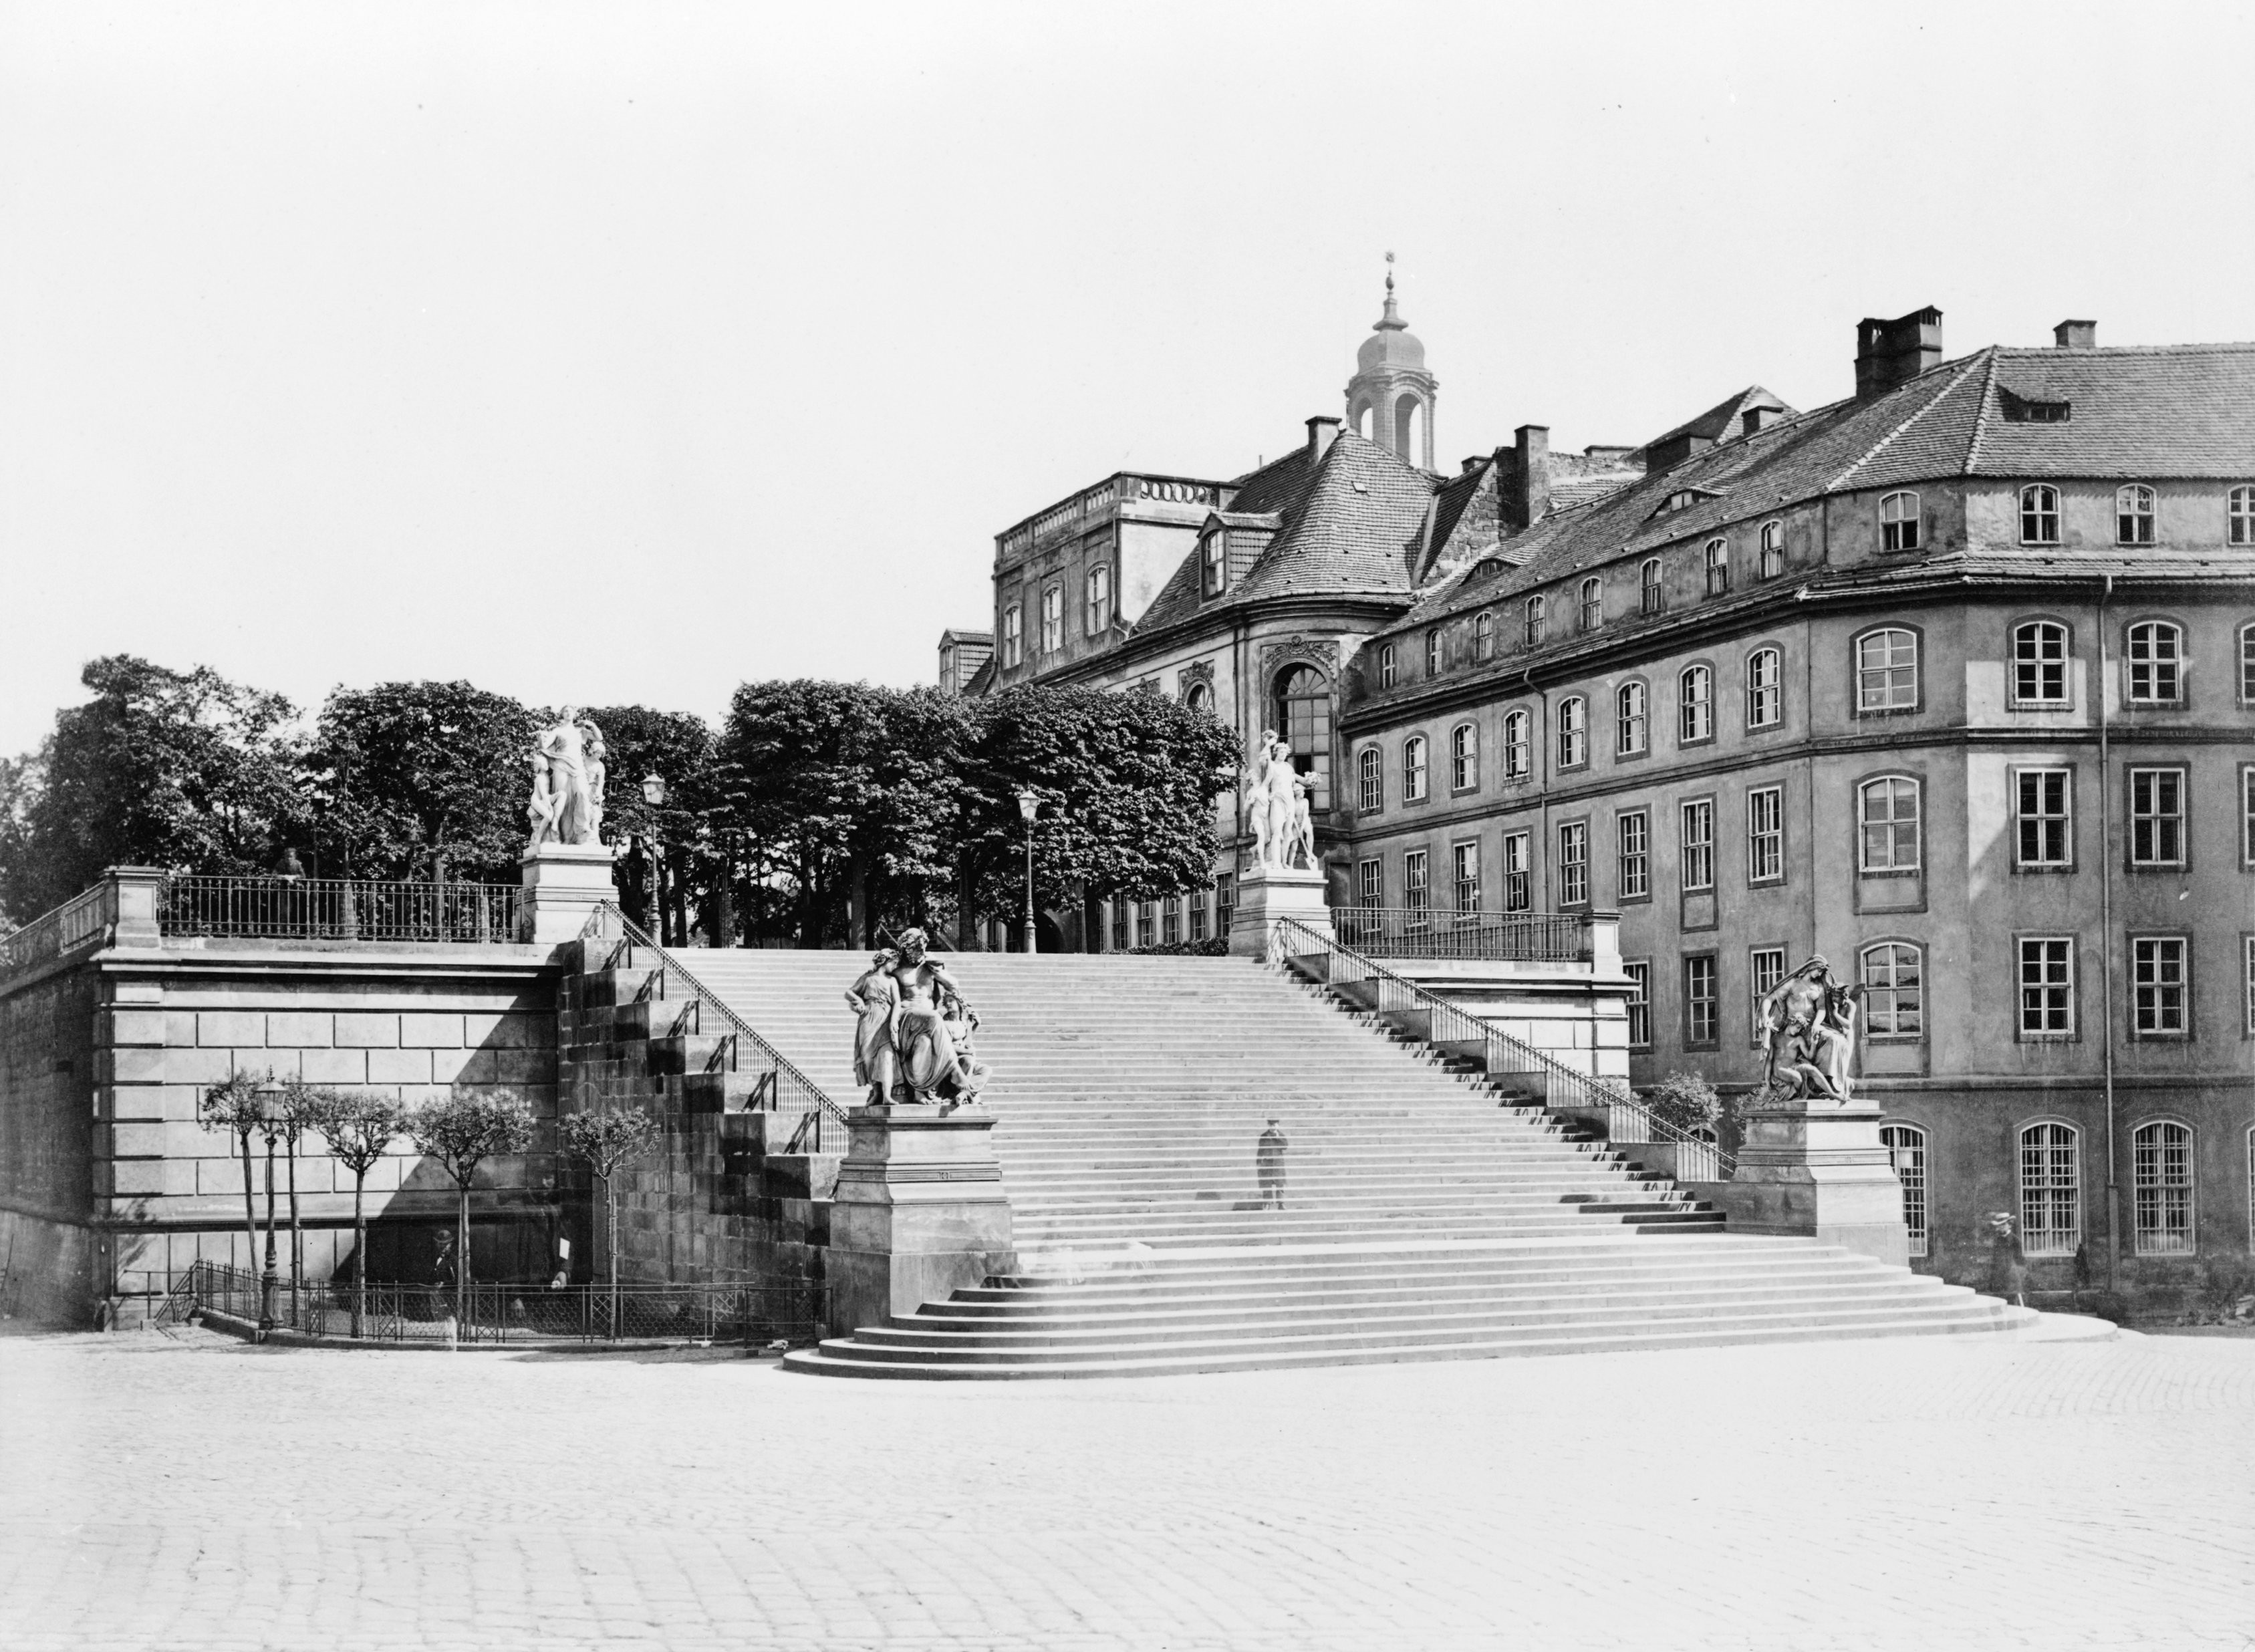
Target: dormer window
column 2023, row 410
column 1682, row 499
column 1214, row 563
column 1386, row 668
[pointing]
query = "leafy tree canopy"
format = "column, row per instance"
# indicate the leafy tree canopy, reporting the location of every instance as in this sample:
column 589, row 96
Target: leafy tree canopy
column 422, row 780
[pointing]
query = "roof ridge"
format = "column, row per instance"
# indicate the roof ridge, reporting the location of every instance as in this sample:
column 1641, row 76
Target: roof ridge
column 1924, row 408
column 1981, row 417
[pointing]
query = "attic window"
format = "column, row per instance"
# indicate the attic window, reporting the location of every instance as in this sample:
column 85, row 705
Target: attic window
column 2022, row 409
column 1683, row 499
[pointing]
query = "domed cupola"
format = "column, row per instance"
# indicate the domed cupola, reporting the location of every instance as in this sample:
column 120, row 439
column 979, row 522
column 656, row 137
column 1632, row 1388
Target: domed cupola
column 1390, row 398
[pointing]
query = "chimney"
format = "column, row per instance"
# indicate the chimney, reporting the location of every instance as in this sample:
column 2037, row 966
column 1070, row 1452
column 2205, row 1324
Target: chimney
column 1527, row 494
column 1892, row 353
column 1321, row 433
column 1473, row 463
column 2076, row 335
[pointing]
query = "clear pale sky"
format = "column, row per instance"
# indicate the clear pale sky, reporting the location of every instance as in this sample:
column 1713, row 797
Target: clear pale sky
column 609, row 353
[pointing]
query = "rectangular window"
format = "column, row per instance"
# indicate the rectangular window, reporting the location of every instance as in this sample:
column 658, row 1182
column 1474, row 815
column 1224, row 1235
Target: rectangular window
column 1639, row 1004
column 1417, row 891
column 2045, row 798
column 2046, row 986
column 1701, row 1025
column 1119, row 926
column 1467, row 890
column 2247, row 816
column 2247, row 978
column 1213, row 562
column 1197, row 899
column 1574, row 864
column 1225, row 901
column 1100, row 599
column 2157, row 976
column 1370, row 884
column 2156, row 824
column 1014, row 635
column 2246, row 653
column 2039, row 664
column 1518, row 872
column 1886, row 670
column 1765, row 688
column 1633, row 837
column 1145, row 911
column 1698, row 846
column 1894, row 990
column 1170, row 920
column 1052, row 619
column 1906, row 1146
column 1767, row 969
column 2161, row 1161
column 2051, row 1200
column 1766, row 835
column 1649, row 597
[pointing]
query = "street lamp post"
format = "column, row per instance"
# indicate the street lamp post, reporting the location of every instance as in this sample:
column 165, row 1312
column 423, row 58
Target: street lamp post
column 653, row 794
column 270, row 1124
column 1028, row 803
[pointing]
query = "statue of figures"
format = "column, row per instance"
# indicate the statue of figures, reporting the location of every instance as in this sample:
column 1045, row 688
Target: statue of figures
column 873, row 999
column 1272, row 807
column 563, row 752
column 541, row 811
column 930, row 1030
column 1304, row 823
column 1809, row 1034
column 596, row 752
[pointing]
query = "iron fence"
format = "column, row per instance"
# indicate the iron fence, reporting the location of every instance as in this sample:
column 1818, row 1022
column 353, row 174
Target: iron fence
column 86, row 917
column 1416, row 931
column 338, row 909
column 1457, row 1031
column 754, row 1313
column 814, row 1122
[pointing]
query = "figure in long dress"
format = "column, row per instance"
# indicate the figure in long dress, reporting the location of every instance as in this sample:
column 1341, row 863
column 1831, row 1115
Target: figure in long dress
column 1808, row 1032
column 564, row 748
column 874, row 998
column 927, row 1065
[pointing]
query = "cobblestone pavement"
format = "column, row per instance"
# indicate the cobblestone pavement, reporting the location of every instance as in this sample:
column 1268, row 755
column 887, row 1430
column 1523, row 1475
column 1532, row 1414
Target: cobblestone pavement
column 194, row 1492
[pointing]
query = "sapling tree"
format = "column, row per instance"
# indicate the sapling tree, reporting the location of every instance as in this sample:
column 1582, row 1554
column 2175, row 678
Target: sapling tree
column 360, row 1126
column 462, row 1131
column 297, row 1111
column 607, row 1141
column 232, row 1104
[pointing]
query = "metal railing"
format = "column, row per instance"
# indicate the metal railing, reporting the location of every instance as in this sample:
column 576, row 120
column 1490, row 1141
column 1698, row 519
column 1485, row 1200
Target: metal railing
column 338, row 909
column 755, row 1314
column 1456, row 1031
column 817, row 1123
column 1416, row 931
column 85, row 918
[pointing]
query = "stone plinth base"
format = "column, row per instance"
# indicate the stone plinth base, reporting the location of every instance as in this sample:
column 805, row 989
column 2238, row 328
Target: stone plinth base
column 1821, row 1172
column 918, row 1211
column 563, row 882
column 1264, row 895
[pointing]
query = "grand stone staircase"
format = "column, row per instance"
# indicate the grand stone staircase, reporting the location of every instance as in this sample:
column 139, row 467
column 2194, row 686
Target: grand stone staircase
column 1427, row 1215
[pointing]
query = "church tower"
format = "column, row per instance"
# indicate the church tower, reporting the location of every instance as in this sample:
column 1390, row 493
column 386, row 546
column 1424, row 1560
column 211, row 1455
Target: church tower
column 1390, row 397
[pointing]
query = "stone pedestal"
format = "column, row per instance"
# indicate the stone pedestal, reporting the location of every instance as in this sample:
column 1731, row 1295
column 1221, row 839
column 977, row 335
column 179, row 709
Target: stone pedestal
column 563, row 882
column 918, row 1211
column 1265, row 894
column 1819, row 1171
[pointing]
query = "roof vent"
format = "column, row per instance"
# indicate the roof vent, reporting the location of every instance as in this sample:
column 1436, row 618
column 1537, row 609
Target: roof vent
column 2076, row 335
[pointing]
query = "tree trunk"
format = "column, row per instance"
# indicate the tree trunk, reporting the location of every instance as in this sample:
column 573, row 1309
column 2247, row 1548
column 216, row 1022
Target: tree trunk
column 249, row 1206
column 297, row 1235
column 360, row 1250
column 611, row 1244
column 462, row 1257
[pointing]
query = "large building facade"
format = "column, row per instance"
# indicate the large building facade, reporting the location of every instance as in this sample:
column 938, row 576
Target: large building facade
column 1951, row 682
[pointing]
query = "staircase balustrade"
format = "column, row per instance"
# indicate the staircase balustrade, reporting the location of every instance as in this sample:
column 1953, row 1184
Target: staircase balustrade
column 1455, row 1032
column 1418, row 931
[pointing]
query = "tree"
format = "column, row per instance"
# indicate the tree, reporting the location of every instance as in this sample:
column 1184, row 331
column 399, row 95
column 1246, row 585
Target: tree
column 360, row 1126
column 232, row 1104
column 162, row 768
column 606, row 1141
column 462, row 1131
column 1126, row 784
column 423, row 779
column 677, row 748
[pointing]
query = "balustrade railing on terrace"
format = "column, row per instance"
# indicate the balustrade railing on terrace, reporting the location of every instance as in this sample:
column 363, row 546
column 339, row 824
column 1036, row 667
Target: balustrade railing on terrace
column 1457, row 1031
column 814, row 1122
column 338, row 909
column 1417, row 932
column 79, row 921
column 1095, row 502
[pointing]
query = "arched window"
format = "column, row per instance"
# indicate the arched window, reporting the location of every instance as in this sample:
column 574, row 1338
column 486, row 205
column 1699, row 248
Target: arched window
column 1388, row 665
column 2051, row 1190
column 1433, row 651
column 2133, row 514
column 1887, row 814
column 1518, row 745
column 1695, row 705
column 2156, row 656
column 1593, row 603
column 1302, row 710
column 1573, row 732
column 1052, row 619
column 1654, row 600
column 1199, row 697
column 1483, row 636
column 1906, row 1145
column 2247, row 679
column 1899, row 522
column 1534, row 619
column 1718, row 566
column 1772, row 550
column 2039, row 515
column 2039, row 664
column 1894, row 990
column 1765, row 688
column 2239, row 517
column 1412, row 769
column 1099, row 615
column 1408, row 426
column 1630, row 720
column 1886, row 670
column 2160, row 1158
column 1363, row 424
column 1371, row 772
column 1014, row 636
column 1464, row 757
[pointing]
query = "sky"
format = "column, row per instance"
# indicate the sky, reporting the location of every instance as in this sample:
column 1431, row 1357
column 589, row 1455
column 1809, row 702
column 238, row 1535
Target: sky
column 629, row 352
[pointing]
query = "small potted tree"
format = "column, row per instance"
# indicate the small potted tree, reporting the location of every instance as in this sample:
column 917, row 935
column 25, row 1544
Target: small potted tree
column 607, row 1141
column 1685, row 1102
column 463, row 1132
column 360, row 1126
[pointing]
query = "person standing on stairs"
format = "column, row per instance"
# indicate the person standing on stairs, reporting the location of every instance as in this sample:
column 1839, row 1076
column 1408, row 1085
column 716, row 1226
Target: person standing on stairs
column 1268, row 1165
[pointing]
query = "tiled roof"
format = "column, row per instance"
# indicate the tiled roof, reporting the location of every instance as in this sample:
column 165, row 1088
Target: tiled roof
column 1719, row 422
column 2186, row 410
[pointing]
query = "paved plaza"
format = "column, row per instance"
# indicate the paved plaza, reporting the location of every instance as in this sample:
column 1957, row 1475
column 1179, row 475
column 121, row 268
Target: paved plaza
column 188, row 1491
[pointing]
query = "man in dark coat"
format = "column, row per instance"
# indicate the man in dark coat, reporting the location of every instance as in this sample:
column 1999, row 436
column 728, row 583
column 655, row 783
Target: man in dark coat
column 1268, row 1165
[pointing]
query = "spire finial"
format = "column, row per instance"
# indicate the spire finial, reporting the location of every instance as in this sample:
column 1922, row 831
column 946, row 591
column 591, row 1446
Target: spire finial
column 1392, row 319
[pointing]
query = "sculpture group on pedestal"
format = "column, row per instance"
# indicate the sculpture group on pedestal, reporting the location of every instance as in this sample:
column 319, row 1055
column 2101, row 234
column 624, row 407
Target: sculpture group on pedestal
column 913, row 1030
column 1276, row 809
column 1808, row 1034
column 566, row 806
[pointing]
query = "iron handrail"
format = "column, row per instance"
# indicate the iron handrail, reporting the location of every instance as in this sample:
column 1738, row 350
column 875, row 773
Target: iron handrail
column 815, row 1108
column 273, row 906
column 1627, row 1119
column 1428, row 931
